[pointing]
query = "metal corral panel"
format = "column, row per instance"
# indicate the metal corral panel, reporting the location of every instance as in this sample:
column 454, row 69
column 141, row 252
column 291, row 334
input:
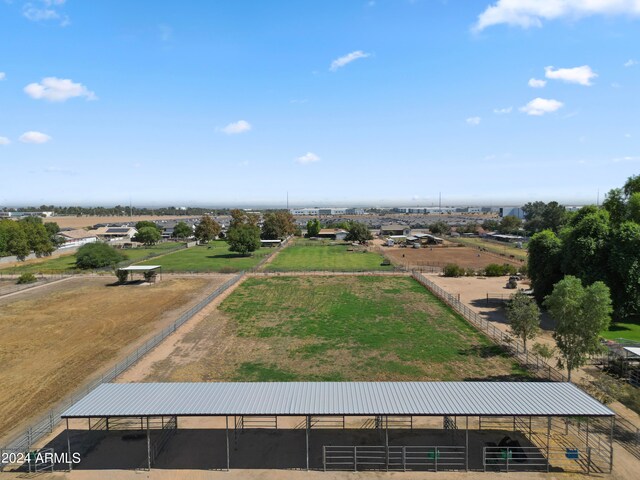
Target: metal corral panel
column 337, row 398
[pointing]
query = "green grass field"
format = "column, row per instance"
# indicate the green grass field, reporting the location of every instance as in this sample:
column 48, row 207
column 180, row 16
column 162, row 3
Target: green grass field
column 214, row 257
column 628, row 331
column 343, row 328
column 325, row 257
column 67, row 263
column 494, row 247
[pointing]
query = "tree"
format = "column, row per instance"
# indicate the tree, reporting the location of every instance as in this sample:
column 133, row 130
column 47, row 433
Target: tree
column 148, row 236
column 313, row 227
column 585, row 246
column 440, row 228
column 240, row 217
column 98, row 255
column 510, row 224
column 524, row 317
column 490, row 225
column 182, row 230
column 208, row 229
column 13, row 240
column 581, row 314
column 53, row 230
column 632, row 185
column 544, row 263
column 624, row 270
column 633, row 207
column 358, row 232
column 542, row 216
column 614, row 203
column 278, row 225
column 146, row 223
column 243, row 238
column 37, row 236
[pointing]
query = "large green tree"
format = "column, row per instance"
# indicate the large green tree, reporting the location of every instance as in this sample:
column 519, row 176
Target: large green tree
column 581, row 314
column 146, row 223
column 358, row 232
column 544, row 216
column 586, row 245
column 37, row 235
column 13, row 240
column 440, row 228
column 182, row 230
column 313, row 227
column 510, row 225
column 208, row 229
column 544, row 263
column 243, row 235
column 278, row 225
column 624, row 271
column 148, row 235
column 523, row 314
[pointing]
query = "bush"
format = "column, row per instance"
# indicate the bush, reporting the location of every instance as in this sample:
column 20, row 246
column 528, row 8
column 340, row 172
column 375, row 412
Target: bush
column 26, row 278
column 469, row 272
column 495, row 270
column 97, row 255
column 453, row 270
column 122, row 276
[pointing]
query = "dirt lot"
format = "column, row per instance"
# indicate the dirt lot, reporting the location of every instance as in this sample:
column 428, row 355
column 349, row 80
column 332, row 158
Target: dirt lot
column 439, row 256
column 53, row 339
column 82, row 222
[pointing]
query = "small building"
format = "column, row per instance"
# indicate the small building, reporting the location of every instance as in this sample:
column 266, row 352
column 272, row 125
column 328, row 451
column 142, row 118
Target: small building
column 148, row 272
column 395, row 229
column 76, row 238
column 333, row 233
column 270, row 243
column 114, row 233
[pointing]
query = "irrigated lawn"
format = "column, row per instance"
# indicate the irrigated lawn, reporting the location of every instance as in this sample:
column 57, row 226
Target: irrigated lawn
column 343, row 328
column 325, row 257
column 628, row 331
column 67, row 263
column 214, row 257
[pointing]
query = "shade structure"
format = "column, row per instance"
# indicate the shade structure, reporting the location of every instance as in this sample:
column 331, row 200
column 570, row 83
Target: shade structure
column 337, row 398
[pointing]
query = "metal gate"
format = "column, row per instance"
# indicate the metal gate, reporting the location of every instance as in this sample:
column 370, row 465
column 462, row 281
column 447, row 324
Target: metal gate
column 399, row 458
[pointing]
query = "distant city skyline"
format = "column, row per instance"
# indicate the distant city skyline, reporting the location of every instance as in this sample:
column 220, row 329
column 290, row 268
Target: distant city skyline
column 339, row 102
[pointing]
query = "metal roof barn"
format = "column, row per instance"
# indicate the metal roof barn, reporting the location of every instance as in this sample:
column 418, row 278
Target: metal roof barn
column 338, row 398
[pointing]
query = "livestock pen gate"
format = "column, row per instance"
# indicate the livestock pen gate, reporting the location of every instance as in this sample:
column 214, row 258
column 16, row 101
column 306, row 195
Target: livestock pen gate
column 405, row 426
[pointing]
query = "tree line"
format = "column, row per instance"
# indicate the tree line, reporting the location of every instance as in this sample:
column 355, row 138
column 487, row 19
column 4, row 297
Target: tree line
column 30, row 234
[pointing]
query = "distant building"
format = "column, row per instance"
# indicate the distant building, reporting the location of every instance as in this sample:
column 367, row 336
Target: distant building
column 114, row 233
column 511, row 212
column 395, row 229
column 333, row 233
column 76, row 238
column 327, row 211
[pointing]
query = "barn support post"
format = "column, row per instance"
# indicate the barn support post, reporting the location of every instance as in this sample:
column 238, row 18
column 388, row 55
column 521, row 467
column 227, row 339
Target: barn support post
column 307, row 437
column 227, row 434
column 613, row 424
column 466, row 443
column 548, row 441
column 386, row 439
column 69, row 447
column 148, row 445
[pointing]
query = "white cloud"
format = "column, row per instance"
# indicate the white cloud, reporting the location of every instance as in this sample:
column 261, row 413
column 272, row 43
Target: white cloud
column 502, row 111
column 531, row 13
column 307, row 158
column 580, row 75
column 626, row 159
column 348, row 58
column 473, row 121
column 627, row 135
column 630, row 63
column 45, row 10
column 3, row 75
column 4, row 141
column 234, row 128
column 535, row 83
column 34, row 137
column 58, row 90
column 540, row 106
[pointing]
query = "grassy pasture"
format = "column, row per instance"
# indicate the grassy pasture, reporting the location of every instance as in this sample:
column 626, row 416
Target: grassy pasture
column 67, row 263
column 324, row 256
column 214, row 257
column 628, row 331
column 334, row 329
column 498, row 248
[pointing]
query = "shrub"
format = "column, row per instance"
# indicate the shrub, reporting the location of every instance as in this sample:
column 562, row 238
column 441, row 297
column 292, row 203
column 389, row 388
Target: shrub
column 495, row 270
column 469, row 272
column 453, row 270
column 97, row 255
column 122, row 276
column 26, row 278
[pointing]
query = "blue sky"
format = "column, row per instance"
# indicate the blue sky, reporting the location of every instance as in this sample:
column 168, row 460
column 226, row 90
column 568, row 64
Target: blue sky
column 384, row 102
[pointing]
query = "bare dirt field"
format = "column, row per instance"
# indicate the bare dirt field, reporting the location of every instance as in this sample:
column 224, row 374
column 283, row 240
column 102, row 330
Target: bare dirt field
column 87, row 221
column 55, row 338
column 439, row 256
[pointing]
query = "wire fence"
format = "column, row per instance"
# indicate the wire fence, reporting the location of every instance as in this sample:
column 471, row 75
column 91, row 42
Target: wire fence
column 47, row 422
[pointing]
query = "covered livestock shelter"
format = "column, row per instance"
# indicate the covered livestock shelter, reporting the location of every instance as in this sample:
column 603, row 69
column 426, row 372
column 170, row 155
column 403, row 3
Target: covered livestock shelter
column 148, row 272
column 406, row 426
